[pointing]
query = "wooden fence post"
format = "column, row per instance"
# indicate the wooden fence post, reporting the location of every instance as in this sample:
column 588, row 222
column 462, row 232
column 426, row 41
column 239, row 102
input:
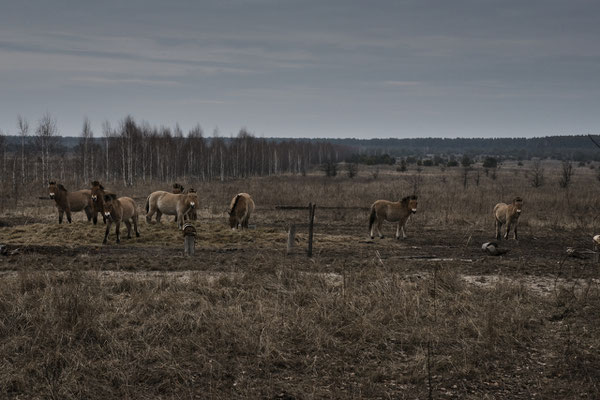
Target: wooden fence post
column 189, row 239
column 311, row 220
column 291, row 238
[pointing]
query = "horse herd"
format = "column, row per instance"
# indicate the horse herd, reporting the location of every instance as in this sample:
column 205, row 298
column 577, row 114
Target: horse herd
column 184, row 204
column 180, row 203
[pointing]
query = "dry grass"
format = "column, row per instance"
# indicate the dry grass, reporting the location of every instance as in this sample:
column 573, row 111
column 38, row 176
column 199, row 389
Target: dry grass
column 359, row 320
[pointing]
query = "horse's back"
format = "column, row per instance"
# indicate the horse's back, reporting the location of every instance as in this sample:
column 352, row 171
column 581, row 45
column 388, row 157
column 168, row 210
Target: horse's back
column 80, row 199
column 500, row 211
column 167, row 203
column 127, row 207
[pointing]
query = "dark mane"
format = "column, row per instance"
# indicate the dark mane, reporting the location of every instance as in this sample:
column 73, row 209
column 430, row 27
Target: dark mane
column 96, row 183
column 237, row 198
column 191, row 190
column 61, row 187
column 406, row 199
column 110, row 196
column 518, row 198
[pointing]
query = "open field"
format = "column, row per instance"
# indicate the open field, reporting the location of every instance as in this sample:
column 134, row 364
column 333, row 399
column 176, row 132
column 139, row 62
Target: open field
column 429, row 315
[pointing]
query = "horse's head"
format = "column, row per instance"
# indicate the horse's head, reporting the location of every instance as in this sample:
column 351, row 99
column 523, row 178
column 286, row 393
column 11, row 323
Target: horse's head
column 518, row 203
column 97, row 191
column 192, row 199
column 52, row 189
column 177, row 188
column 110, row 201
column 410, row 202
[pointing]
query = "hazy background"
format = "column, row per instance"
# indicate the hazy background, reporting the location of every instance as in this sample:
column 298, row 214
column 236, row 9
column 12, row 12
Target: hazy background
column 306, row 68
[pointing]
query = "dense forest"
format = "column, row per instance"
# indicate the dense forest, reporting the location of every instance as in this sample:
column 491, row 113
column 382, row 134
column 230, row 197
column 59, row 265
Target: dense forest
column 135, row 152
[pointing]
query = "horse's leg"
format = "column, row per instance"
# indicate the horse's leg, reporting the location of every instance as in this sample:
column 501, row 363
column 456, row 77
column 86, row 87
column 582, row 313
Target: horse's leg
column 95, row 219
column 88, row 213
column 118, row 224
column 403, row 234
column 69, row 215
column 379, row 225
column 158, row 215
column 135, row 226
column 516, row 225
column 498, row 230
column 398, row 230
column 60, row 215
column 180, row 220
column 507, row 229
column 108, row 224
column 128, row 225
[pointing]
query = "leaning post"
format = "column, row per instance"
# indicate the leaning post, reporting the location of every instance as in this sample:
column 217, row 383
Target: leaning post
column 311, row 220
column 189, row 239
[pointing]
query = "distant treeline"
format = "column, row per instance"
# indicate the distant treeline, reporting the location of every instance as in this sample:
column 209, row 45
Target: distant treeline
column 577, row 148
column 138, row 153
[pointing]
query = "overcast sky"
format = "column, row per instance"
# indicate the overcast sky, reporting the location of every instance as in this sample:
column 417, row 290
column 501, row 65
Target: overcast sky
column 306, row 68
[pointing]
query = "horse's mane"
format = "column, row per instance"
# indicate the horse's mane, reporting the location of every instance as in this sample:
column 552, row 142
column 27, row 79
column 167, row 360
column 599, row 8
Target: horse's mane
column 191, row 190
column 518, row 198
column 110, row 196
column 237, row 198
column 61, row 187
column 96, row 183
column 406, row 199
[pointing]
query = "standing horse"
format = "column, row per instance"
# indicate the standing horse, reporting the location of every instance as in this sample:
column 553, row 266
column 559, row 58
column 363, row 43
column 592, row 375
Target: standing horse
column 70, row 201
column 98, row 201
column 240, row 209
column 391, row 211
column 161, row 202
column 509, row 215
column 191, row 214
column 117, row 211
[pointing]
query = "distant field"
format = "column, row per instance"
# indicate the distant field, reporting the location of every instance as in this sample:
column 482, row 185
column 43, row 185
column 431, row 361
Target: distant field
column 362, row 318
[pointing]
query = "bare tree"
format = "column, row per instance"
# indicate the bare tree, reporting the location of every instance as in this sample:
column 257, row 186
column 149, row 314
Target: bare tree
column 45, row 139
column 87, row 136
column 23, row 127
column 107, row 132
column 537, row 174
column 566, row 174
column 351, row 169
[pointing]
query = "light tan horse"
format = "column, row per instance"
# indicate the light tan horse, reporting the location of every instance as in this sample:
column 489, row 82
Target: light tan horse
column 120, row 210
column 68, row 202
column 507, row 214
column 161, row 202
column 240, row 210
column 392, row 211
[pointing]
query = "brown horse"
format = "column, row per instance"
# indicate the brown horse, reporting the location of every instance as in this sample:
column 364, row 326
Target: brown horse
column 240, row 209
column 391, row 211
column 161, row 202
column 70, row 201
column 98, row 201
column 509, row 215
column 117, row 211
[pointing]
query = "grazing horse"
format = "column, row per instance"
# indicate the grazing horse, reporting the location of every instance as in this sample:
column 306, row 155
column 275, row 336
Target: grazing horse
column 98, row 201
column 161, row 202
column 117, row 211
column 391, row 211
column 507, row 214
column 240, row 209
column 70, row 201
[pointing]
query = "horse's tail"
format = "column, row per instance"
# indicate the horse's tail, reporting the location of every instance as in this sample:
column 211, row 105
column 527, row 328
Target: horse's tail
column 148, row 203
column 235, row 202
column 372, row 216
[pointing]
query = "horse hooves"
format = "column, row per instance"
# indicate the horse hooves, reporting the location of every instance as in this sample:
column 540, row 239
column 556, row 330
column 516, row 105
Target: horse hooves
column 137, row 234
